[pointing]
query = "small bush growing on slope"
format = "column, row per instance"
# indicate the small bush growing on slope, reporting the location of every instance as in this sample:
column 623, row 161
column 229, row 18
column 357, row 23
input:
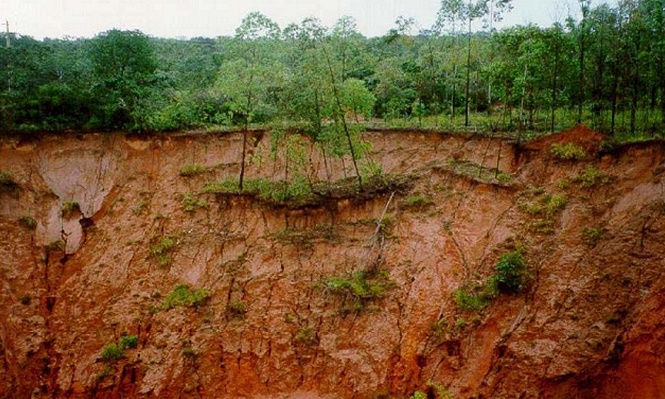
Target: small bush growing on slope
column 162, row 248
column 360, row 288
column 591, row 177
column 115, row 351
column 69, row 208
column 512, row 272
column 28, row 222
column 7, row 182
column 567, row 152
column 183, row 296
column 190, row 202
column 510, row 277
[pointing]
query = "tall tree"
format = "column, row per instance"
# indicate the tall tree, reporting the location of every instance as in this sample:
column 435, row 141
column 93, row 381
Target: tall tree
column 246, row 79
column 124, row 66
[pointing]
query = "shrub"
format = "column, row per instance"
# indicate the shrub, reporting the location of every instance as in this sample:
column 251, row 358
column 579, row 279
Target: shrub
column 69, row 208
column 512, row 272
column 504, row 178
column 555, row 203
column 189, row 352
column 190, row 203
column 161, row 249
column 419, row 395
column 115, row 351
column 237, row 308
column 361, row 287
column 111, row 352
column 418, row 202
column 568, row 151
column 471, row 301
column 54, row 246
column 128, row 342
column 183, row 296
column 192, row 170
column 229, row 186
column 28, row 222
column 591, row 177
column 592, row 235
column 306, row 335
column 7, row 182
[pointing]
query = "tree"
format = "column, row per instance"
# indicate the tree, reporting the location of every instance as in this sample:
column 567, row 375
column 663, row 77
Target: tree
column 246, row 80
column 124, row 67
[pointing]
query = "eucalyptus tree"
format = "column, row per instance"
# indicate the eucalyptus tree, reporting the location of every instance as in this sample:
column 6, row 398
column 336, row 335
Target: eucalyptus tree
column 246, row 78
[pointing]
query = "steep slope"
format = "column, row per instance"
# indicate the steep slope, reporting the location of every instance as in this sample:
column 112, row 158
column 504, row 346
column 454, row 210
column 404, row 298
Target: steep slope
column 350, row 298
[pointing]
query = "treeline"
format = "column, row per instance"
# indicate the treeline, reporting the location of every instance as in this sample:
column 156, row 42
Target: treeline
column 605, row 69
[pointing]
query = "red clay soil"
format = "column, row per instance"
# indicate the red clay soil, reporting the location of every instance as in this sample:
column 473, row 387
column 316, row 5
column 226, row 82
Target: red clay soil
column 580, row 135
column 590, row 324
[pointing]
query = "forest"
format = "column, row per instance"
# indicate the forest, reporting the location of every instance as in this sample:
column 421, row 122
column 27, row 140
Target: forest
column 604, row 68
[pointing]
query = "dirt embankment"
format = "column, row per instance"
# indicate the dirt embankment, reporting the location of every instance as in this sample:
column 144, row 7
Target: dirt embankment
column 322, row 301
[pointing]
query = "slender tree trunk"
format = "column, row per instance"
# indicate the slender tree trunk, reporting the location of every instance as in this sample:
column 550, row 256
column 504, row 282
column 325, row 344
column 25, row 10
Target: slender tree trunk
column 244, row 151
column 554, row 85
column 582, row 40
column 341, row 115
column 468, row 78
column 615, row 87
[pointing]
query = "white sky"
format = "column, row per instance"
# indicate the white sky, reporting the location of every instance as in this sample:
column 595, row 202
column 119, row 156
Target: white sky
column 212, row 18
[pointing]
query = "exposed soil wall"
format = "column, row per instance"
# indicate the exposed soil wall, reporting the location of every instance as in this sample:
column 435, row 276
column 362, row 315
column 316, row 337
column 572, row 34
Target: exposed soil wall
column 590, row 324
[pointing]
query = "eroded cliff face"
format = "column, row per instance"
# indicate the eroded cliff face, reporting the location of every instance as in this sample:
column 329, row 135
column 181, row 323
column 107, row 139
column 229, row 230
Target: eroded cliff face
column 591, row 323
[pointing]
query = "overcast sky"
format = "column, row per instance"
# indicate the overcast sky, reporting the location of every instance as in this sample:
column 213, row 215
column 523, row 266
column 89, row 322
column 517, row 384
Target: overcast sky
column 212, row 18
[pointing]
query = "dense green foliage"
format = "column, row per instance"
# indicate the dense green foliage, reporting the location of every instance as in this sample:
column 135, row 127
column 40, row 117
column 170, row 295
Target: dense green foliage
column 115, row 351
column 605, row 69
column 182, row 296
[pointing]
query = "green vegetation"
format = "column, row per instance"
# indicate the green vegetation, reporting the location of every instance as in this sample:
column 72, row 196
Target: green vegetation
column 512, row 273
column 545, row 207
column 237, row 309
column 511, row 276
column 359, row 289
column 591, row 177
column 473, row 299
column 55, row 246
column 28, row 222
column 301, row 193
column 277, row 192
column 192, row 170
column 111, row 353
column 568, row 151
column 161, row 249
column 592, row 235
column 604, row 69
column 128, row 341
column 182, row 296
column 7, row 182
column 115, row 351
column 69, row 208
column 478, row 172
column 417, row 202
column 305, row 237
column 306, row 335
column 191, row 203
